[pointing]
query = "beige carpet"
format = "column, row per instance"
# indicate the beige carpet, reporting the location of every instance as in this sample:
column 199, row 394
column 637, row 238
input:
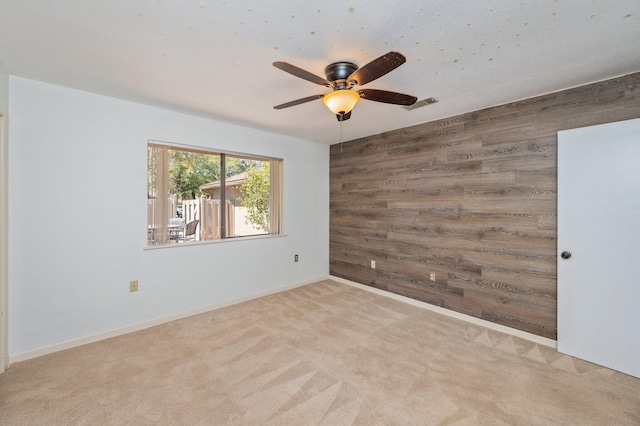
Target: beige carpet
column 325, row 353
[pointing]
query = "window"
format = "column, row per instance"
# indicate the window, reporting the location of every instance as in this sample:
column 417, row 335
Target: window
column 198, row 195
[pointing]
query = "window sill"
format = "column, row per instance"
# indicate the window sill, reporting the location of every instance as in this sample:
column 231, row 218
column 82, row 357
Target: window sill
column 206, row 242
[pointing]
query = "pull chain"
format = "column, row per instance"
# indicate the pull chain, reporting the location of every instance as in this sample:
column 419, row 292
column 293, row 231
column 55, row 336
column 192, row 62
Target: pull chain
column 341, row 137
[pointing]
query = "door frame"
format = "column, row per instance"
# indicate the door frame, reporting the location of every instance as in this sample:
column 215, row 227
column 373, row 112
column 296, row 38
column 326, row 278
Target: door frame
column 4, row 242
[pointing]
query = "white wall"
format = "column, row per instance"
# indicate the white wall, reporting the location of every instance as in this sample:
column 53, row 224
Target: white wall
column 77, row 217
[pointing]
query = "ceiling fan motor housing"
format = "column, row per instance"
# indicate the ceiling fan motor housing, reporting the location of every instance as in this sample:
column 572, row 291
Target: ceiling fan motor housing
column 338, row 72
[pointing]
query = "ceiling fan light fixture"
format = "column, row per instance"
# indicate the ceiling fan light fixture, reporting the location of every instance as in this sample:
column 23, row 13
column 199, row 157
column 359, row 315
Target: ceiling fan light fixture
column 341, row 101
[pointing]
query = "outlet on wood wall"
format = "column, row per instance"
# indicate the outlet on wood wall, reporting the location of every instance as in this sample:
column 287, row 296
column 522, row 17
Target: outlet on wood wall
column 470, row 198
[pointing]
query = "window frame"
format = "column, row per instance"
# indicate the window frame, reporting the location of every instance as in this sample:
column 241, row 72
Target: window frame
column 276, row 187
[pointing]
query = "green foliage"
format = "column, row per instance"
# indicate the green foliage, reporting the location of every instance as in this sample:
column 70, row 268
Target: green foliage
column 235, row 166
column 189, row 170
column 255, row 195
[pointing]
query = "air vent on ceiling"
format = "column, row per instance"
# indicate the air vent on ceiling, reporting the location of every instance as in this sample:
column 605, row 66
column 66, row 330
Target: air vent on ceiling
column 419, row 104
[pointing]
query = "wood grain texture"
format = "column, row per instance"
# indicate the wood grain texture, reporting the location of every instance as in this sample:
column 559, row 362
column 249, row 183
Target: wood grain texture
column 471, row 198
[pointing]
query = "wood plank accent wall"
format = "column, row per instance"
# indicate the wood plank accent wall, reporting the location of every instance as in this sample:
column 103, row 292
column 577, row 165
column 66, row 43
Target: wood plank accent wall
column 471, row 198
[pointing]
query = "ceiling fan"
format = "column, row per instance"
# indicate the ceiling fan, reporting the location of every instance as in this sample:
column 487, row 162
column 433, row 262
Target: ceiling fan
column 342, row 77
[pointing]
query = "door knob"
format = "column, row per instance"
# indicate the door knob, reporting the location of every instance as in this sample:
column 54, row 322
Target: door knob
column 565, row 255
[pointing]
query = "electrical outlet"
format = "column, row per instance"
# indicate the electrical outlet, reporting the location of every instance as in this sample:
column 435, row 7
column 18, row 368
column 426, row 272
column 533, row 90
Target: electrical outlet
column 373, row 264
column 133, row 286
column 295, row 258
column 432, row 276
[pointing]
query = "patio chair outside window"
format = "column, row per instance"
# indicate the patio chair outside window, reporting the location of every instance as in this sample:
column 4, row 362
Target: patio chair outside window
column 190, row 231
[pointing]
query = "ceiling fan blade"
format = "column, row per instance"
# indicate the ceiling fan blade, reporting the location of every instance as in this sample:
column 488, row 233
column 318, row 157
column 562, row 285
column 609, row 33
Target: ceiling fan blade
column 343, row 117
column 299, row 72
column 377, row 68
column 387, row 97
column 298, row 101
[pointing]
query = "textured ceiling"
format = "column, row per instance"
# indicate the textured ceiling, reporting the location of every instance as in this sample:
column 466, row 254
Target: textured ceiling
column 213, row 58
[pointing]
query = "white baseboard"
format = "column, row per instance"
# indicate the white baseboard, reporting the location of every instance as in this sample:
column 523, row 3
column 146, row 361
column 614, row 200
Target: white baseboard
column 468, row 318
column 23, row 356
column 147, row 324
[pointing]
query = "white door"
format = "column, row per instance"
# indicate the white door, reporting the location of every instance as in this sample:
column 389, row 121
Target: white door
column 599, row 226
